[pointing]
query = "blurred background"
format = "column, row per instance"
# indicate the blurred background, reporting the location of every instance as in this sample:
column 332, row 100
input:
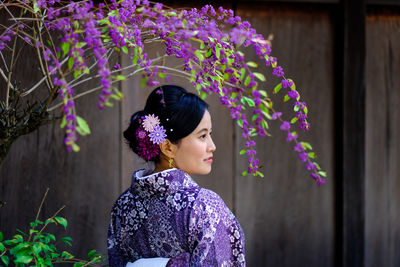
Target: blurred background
column 343, row 57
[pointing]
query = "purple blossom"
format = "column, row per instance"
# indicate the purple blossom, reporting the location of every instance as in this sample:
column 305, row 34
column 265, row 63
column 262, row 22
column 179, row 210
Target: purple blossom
column 293, row 94
column 276, row 115
column 285, row 126
column 311, row 166
column 290, row 137
column 158, row 135
column 303, row 156
column 298, row 148
column 319, row 180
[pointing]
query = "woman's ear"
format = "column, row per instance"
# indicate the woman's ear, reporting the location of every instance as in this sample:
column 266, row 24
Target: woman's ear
column 168, row 148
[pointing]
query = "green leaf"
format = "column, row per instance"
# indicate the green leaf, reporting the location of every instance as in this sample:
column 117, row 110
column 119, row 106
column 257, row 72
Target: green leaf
column 255, row 116
column 240, row 122
column 263, row 93
column 286, row 98
column 62, row 125
column 75, row 147
column 2, row 247
column 217, row 52
column 259, row 76
column 208, row 53
column 277, row 88
column 293, row 86
column 306, row 145
column 247, row 81
column 24, row 259
column 35, row 7
column 199, row 55
column 67, row 255
column 83, row 124
column 311, row 155
column 294, row 120
column 77, row 73
column 37, row 248
column 264, row 124
column 243, row 73
column 243, row 151
column 245, row 173
column 120, row 78
column 249, row 101
column 296, row 108
column 91, row 254
column 70, row 63
column 125, row 49
column 19, row 238
column 65, row 48
column 260, row 174
column 322, row 173
column 61, row 221
column 252, row 64
column 5, row 259
column 66, row 240
column 305, row 110
column 1, row 236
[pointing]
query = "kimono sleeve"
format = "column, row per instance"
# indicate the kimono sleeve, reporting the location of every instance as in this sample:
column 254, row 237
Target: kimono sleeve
column 115, row 255
column 215, row 236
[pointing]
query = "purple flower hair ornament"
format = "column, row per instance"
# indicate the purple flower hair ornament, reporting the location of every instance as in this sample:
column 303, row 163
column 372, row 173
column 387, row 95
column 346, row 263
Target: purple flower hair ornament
column 149, row 135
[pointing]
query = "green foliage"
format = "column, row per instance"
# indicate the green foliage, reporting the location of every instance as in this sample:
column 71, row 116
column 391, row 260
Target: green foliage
column 39, row 248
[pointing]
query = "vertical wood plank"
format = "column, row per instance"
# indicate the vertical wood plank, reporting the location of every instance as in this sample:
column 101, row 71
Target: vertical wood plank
column 352, row 164
column 382, row 202
column 287, row 220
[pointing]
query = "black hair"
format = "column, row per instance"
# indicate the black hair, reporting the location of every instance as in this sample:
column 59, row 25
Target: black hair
column 178, row 110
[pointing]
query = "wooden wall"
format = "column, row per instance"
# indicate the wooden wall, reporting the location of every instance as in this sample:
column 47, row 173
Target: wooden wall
column 382, row 207
column 287, row 220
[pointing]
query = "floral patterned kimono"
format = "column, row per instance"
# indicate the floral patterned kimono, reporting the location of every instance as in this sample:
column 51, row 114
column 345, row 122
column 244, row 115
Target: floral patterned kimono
column 168, row 215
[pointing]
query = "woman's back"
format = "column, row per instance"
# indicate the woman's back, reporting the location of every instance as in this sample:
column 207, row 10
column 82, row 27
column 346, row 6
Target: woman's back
column 167, row 214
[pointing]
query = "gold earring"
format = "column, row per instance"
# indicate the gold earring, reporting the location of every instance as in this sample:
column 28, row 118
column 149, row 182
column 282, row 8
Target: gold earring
column 171, row 160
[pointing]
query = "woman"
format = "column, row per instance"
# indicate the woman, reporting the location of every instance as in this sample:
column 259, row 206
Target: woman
column 165, row 215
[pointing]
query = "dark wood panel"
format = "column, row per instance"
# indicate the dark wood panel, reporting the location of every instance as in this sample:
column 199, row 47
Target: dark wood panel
column 287, row 220
column 351, row 161
column 382, row 212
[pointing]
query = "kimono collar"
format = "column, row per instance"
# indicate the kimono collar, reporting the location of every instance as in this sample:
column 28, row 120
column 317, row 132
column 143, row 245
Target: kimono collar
column 161, row 183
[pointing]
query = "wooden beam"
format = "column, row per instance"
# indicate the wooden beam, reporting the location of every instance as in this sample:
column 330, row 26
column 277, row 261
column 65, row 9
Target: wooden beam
column 351, row 154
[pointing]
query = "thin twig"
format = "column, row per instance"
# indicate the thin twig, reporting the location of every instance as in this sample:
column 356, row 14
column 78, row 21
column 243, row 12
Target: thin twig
column 5, row 78
column 40, row 208
column 10, row 72
column 27, row 92
column 90, row 91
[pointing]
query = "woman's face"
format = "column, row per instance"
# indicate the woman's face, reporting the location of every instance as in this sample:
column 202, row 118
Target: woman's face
column 194, row 153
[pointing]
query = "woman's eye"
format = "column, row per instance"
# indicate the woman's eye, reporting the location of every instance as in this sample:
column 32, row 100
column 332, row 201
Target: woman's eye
column 203, row 136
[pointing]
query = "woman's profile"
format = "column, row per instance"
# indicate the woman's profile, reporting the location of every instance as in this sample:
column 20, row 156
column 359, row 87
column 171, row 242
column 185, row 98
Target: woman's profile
column 165, row 218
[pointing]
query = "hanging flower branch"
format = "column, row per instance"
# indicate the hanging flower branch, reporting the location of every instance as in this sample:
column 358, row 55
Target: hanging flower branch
column 74, row 42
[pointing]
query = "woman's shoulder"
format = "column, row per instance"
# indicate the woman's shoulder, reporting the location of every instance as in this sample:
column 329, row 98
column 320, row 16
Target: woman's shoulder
column 209, row 202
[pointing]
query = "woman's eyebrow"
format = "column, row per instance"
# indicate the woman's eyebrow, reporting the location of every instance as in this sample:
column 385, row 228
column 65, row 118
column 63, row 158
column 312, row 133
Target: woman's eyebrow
column 202, row 130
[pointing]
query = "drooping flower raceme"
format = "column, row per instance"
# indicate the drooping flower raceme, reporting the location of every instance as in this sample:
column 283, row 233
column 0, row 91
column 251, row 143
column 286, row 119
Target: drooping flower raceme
column 206, row 40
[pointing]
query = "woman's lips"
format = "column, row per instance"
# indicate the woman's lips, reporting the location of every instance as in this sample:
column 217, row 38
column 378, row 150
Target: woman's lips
column 209, row 160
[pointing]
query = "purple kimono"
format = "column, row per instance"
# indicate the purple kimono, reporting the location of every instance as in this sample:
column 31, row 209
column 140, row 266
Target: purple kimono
column 167, row 214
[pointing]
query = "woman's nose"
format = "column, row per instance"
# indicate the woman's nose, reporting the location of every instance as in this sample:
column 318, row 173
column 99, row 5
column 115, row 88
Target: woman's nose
column 211, row 146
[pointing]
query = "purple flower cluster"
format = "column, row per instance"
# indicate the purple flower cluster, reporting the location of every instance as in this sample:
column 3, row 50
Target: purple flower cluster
column 5, row 37
column 66, row 93
column 146, row 149
column 199, row 37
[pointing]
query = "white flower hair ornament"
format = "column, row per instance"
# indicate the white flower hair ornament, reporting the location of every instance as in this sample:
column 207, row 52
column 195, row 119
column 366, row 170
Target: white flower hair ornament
column 156, row 132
